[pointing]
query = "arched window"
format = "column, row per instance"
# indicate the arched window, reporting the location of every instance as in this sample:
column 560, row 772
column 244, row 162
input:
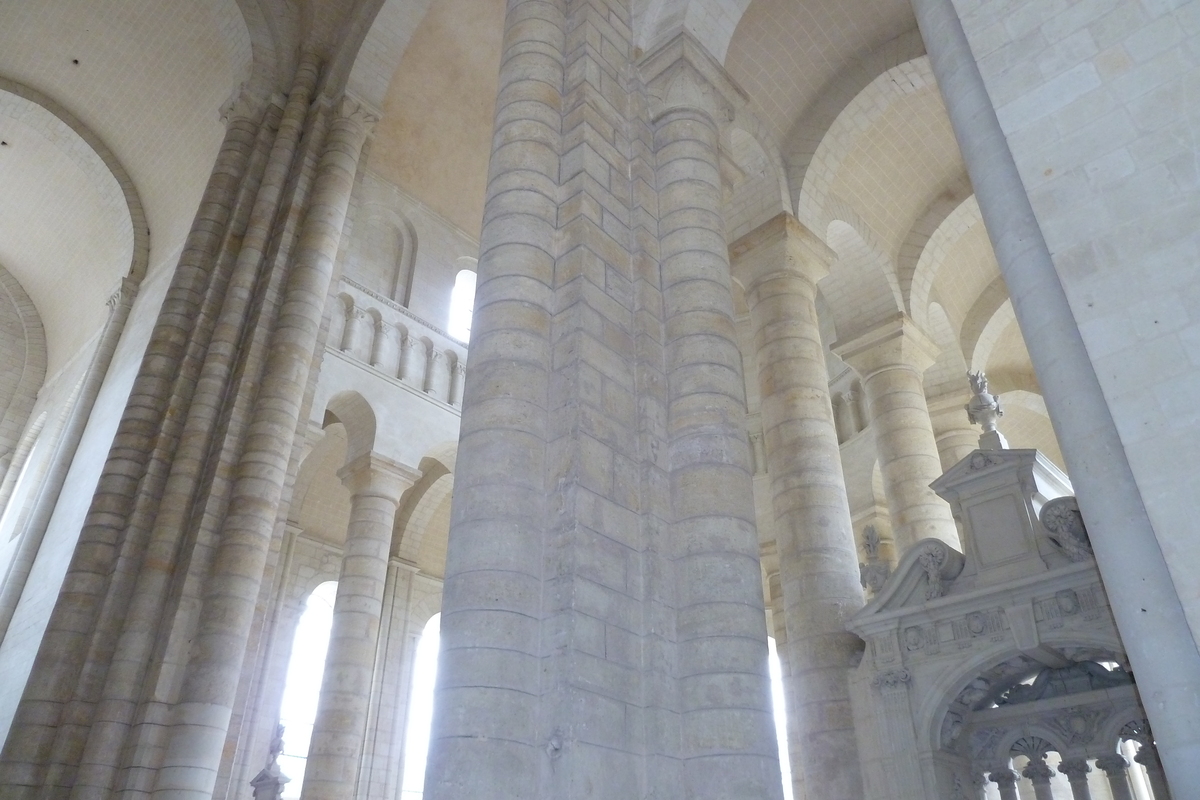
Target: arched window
column 302, row 688
column 420, row 710
column 462, row 304
column 777, row 703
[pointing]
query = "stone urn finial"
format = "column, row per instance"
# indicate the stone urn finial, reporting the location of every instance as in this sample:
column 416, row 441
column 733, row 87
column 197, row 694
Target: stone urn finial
column 984, row 410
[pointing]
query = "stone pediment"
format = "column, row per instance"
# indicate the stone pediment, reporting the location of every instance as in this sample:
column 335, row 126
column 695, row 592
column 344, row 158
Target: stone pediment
column 925, row 573
column 996, row 496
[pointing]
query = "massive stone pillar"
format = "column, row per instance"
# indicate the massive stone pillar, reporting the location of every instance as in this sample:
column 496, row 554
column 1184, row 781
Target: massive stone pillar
column 891, row 358
column 1161, row 647
column 603, row 631
column 336, row 747
column 779, row 265
column 201, row 716
column 727, row 730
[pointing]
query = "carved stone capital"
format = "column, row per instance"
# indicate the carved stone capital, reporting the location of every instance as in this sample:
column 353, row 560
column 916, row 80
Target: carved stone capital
column 680, row 74
column 374, row 475
column 895, row 342
column 1076, row 769
column 781, row 246
column 1038, row 772
column 1113, row 764
column 1005, row 778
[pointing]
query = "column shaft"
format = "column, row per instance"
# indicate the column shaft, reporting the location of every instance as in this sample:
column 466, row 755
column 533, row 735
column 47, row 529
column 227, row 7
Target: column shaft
column 956, row 438
column 1007, row 781
column 485, row 740
column 779, row 263
column 202, row 714
column 727, row 730
column 336, row 747
column 1077, row 771
column 891, row 359
column 1159, row 642
column 1116, row 769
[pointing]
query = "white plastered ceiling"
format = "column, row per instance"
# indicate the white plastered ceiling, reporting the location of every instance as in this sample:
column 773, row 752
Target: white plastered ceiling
column 150, row 81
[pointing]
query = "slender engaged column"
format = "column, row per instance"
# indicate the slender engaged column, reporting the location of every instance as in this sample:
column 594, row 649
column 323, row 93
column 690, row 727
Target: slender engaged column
column 376, row 485
column 1006, row 779
column 728, row 738
column 1077, row 770
column 1116, row 769
column 15, row 577
column 201, row 716
column 1039, row 773
column 891, row 358
column 779, row 265
column 1157, row 638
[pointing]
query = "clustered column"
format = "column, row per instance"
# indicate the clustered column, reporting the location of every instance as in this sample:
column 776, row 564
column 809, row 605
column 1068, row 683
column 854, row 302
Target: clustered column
column 376, row 485
column 891, row 359
column 779, row 264
column 210, row 683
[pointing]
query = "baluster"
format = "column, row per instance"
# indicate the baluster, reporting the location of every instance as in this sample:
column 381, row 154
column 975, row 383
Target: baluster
column 413, row 361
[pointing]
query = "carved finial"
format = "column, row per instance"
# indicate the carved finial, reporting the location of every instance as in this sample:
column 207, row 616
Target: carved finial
column 983, row 410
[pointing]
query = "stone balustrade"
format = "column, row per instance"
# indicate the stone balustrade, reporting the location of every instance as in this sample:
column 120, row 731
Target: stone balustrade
column 389, row 338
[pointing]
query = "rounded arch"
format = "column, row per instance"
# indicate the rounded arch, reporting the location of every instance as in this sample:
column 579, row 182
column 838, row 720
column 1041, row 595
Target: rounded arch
column 957, row 676
column 802, row 141
column 711, row 22
column 933, row 256
column 915, row 244
column 861, row 287
column 838, row 141
column 947, row 375
column 356, row 415
column 23, row 348
column 66, row 166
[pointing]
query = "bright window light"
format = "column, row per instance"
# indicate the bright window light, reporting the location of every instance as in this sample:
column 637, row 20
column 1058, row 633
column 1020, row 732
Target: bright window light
column 420, row 708
column 776, row 672
column 302, row 688
column 462, row 304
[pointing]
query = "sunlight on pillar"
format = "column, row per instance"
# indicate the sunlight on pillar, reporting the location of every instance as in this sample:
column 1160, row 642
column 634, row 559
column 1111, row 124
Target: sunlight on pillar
column 462, row 304
column 420, row 708
column 301, row 691
column 776, row 672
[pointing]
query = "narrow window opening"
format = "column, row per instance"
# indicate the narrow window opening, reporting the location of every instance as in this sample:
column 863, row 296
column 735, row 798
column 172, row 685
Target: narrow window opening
column 420, row 708
column 462, row 305
column 302, row 688
column 775, row 670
